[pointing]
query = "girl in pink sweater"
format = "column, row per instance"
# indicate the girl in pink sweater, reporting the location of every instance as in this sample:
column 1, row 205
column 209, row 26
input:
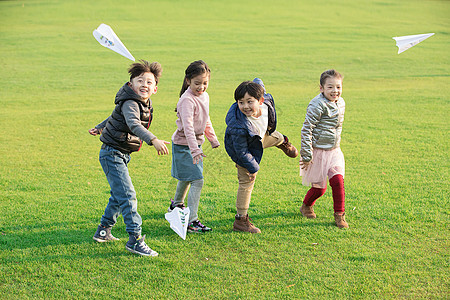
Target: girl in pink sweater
column 193, row 125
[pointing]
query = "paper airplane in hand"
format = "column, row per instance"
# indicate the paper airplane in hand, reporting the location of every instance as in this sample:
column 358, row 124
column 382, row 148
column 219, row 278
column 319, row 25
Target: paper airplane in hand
column 179, row 220
column 107, row 38
column 405, row 42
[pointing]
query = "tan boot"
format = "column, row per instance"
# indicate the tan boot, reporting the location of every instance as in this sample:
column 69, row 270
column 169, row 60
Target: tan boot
column 340, row 220
column 307, row 211
column 242, row 223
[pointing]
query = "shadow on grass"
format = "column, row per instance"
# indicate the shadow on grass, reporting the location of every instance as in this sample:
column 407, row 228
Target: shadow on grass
column 35, row 236
column 293, row 219
column 155, row 227
column 267, row 221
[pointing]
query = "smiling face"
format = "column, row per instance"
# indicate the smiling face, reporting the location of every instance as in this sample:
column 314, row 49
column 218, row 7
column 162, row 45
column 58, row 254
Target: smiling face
column 250, row 106
column 144, row 85
column 199, row 83
column 332, row 88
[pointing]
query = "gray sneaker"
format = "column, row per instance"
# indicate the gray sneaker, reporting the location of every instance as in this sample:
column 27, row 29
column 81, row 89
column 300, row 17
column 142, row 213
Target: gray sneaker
column 137, row 245
column 103, row 234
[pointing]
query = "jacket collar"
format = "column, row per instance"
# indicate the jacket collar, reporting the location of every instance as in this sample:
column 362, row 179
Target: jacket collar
column 236, row 118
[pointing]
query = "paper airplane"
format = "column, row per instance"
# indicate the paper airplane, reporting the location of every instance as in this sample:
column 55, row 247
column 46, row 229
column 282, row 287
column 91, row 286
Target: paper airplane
column 179, row 220
column 107, row 38
column 405, row 42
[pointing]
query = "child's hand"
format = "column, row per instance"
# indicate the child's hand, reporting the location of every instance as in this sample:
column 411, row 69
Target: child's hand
column 305, row 164
column 160, row 146
column 252, row 176
column 198, row 158
column 95, row 131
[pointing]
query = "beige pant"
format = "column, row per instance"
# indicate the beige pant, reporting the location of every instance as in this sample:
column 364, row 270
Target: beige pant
column 245, row 188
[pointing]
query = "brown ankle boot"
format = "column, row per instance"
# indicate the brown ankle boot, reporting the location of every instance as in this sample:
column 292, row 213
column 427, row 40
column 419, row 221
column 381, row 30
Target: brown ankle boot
column 242, row 223
column 307, row 211
column 340, row 220
column 288, row 148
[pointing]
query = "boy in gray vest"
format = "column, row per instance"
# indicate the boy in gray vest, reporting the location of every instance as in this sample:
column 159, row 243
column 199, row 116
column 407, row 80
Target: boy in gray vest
column 122, row 133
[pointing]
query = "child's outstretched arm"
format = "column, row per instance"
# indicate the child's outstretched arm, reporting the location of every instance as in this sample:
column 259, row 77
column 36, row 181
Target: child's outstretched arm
column 95, row 131
column 99, row 128
column 304, row 164
column 312, row 118
column 185, row 109
column 252, row 176
column 198, row 158
column 160, row 146
column 244, row 158
column 130, row 110
column 211, row 135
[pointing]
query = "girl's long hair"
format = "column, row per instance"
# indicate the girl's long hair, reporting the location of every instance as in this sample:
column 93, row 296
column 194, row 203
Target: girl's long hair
column 194, row 69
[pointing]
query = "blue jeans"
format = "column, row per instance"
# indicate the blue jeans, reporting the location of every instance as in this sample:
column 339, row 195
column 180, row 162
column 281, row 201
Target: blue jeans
column 123, row 196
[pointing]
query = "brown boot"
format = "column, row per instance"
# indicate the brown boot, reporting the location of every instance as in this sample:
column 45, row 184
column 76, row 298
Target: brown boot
column 307, row 211
column 340, row 220
column 242, row 223
column 288, row 148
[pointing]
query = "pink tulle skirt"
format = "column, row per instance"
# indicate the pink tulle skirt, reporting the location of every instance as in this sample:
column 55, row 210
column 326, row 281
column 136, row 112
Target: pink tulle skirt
column 325, row 163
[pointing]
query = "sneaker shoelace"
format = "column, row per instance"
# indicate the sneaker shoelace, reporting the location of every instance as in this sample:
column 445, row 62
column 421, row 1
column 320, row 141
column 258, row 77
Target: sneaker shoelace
column 145, row 247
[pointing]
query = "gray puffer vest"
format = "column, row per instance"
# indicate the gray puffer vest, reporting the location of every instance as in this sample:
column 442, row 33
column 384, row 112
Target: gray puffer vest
column 116, row 133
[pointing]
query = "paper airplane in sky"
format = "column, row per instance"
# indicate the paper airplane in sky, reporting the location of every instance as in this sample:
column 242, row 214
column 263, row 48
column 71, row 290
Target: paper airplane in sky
column 179, row 220
column 405, row 42
column 107, row 38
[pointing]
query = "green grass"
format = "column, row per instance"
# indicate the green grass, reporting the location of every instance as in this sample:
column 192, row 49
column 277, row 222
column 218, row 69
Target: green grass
column 57, row 82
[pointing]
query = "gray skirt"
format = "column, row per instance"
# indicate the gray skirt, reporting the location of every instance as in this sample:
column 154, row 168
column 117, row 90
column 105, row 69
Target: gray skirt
column 182, row 166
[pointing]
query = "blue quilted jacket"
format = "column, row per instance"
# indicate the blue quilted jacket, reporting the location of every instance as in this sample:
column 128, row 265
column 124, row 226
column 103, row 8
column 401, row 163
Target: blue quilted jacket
column 242, row 142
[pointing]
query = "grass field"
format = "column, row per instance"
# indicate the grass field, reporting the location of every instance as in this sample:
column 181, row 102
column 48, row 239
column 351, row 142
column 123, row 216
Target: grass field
column 57, row 82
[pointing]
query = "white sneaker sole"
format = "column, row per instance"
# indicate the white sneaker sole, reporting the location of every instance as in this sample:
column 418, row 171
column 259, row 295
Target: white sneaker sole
column 103, row 241
column 153, row 253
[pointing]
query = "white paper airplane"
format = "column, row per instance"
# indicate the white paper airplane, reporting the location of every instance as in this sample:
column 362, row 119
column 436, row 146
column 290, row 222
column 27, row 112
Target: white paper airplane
column 179, row 220
column 107, row 38
column 405, row 42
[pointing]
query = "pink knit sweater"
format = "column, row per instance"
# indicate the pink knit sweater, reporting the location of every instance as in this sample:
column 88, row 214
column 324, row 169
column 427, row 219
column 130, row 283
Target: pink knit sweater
column 194, row 122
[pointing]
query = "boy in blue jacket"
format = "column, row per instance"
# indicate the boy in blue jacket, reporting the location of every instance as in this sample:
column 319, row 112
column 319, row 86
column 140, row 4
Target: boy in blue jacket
column 251, row 127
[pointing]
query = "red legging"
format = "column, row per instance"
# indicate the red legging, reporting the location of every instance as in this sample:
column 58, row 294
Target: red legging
column 337, row 188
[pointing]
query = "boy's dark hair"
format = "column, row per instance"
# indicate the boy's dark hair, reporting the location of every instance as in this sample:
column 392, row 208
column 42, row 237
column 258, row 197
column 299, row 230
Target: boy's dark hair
column 253, row 89
column 328, row 74
column 144, row 66
column 196, row 68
